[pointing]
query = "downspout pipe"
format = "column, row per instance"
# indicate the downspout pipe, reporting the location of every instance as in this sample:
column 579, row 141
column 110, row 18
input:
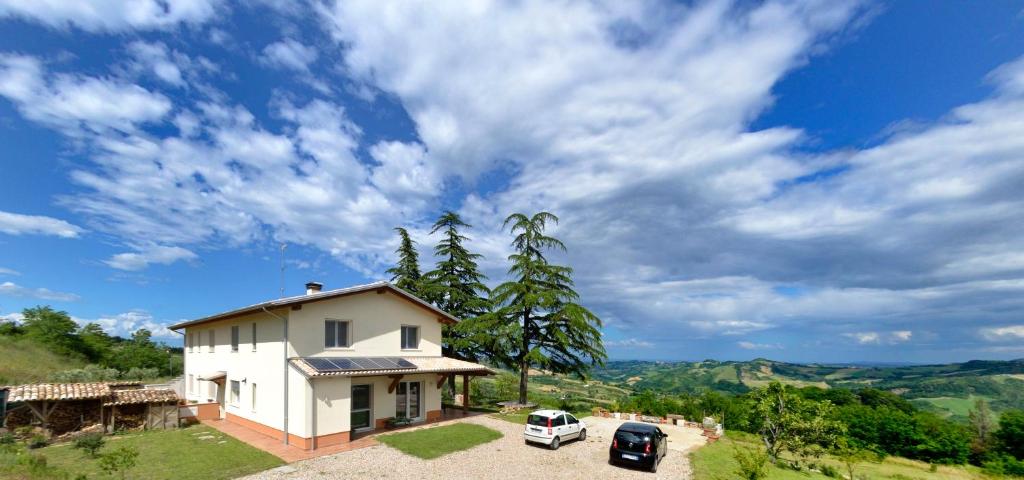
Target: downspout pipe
column 284, row 320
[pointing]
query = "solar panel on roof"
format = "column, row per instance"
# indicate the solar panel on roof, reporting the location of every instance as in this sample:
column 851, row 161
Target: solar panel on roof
column 355, row 364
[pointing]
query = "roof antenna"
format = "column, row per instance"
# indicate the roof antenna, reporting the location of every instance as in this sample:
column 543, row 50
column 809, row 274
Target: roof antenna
column 283, row 247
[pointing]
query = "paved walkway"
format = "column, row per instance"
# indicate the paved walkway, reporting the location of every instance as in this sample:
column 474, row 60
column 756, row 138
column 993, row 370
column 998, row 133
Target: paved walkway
column 290, row 453
column 275, row 447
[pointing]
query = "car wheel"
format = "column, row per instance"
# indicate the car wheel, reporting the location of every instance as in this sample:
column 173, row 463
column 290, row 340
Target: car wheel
column 654, row 466
column 583, row 435
column 554, row 443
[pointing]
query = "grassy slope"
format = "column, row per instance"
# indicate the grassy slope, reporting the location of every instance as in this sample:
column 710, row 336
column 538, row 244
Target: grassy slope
column 26, row 362
column 171, row 454
column 434, row 442
column 715, row 462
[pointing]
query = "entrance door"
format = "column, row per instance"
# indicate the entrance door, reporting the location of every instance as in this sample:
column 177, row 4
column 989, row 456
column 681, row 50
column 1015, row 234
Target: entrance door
column 408, row 400
column 362, row 414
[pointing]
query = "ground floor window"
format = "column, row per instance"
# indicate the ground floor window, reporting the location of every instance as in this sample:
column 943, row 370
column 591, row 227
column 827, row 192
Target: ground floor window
column 408, row 398
column 236, row 388
column 252, row 397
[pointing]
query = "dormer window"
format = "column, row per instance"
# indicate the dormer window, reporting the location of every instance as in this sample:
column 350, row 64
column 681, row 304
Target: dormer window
column 337, row 334
column 410, row 337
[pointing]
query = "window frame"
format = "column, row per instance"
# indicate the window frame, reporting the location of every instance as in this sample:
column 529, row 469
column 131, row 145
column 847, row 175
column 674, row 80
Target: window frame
column 236, row 333
column 253, row 340
column 348, row 334
column 235, row 392
column 402, row 344
column 191, row 341
column 212, row 342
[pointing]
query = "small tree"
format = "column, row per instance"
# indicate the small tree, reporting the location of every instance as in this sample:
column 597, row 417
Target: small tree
column 1011, row 433
column 982, row 426
column 753, row 463
column 90, row 443
column 506, row 385
column 850, row 455
column 788, row 423
column 119, row 461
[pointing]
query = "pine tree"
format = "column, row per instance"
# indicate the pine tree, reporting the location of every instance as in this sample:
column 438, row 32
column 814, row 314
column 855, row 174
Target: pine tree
column 538, row 318
column 456, row 286
column 406, row 274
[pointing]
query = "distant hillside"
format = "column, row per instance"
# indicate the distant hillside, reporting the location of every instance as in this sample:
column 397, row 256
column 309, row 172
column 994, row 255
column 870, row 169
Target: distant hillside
column 947, row 389
column 24, row 361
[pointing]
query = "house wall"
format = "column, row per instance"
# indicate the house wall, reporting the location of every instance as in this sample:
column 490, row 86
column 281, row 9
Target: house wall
column 376, row 319
column 334, row 400
column 264, row 367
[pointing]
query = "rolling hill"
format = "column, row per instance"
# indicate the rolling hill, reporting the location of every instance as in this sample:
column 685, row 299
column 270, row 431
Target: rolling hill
column 24, row 361
column 948, row 389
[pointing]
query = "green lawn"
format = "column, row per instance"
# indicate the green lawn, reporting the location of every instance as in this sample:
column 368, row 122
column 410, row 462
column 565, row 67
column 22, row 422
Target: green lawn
column 196, row 452
column 434, row 442
column 715, row 462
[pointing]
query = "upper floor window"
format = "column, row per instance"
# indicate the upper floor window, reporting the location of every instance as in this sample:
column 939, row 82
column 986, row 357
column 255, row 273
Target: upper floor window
column 191, row 341
column 336, row 334
column 212, row 342
column 234, row 338
column 254, row 336
column 410, row 337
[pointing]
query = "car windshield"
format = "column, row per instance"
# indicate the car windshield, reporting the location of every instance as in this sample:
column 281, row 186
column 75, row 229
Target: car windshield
column 538, row 420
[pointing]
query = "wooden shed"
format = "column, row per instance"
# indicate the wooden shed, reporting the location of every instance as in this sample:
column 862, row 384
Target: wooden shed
column 66, row 407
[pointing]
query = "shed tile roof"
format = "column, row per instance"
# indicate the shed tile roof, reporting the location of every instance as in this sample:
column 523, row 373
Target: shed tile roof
column 423, row 365
column 128, row 397
column 112, row 393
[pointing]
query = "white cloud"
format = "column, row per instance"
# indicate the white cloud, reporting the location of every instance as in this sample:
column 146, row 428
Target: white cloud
column 18, row 224
column 147, row 256
column 876, row 338
column 75, row 102
column 759, row 346
column 628, row 343
column 1009, row 332
column 15, row 317
column 14, row 290
column 111, row 15
column 289, row 54
column 158, row 60
column 124, row 324
column 8, row 271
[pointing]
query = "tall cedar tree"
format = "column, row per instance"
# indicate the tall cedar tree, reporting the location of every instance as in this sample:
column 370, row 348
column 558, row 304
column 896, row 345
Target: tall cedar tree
column 456, row 286
column 406, row 275
column 537, row 315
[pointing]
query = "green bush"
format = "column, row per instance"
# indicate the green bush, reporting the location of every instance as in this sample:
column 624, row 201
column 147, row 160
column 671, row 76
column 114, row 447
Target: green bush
column 753, row 463
column 119, row 461
column 90, row 443
column 38, row 440
column 830, row 471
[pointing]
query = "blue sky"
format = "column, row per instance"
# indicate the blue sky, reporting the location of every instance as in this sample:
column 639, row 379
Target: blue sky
column 800, row 180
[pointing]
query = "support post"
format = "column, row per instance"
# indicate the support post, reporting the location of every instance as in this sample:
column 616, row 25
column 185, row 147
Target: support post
column 465, row 395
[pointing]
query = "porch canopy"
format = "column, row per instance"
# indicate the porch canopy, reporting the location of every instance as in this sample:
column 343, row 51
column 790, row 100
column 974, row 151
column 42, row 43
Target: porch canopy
column 394, row 367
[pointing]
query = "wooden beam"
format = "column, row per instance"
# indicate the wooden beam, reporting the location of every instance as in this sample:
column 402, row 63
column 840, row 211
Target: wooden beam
column 440, row 380
column 39, row 414
column 394, row 382
column 465, row 394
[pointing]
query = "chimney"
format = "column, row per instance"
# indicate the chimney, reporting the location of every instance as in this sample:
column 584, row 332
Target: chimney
column 313, row 287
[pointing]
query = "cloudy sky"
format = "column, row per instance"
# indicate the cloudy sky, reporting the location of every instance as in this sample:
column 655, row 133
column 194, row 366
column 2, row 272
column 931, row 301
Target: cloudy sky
column 800, row 180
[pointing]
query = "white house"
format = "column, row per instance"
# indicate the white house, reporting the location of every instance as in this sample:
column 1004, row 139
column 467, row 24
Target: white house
column 316, row 368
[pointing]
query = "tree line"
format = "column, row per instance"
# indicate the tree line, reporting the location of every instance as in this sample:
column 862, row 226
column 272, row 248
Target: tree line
column 533, row 320
column 110, row 357
column 852, row 426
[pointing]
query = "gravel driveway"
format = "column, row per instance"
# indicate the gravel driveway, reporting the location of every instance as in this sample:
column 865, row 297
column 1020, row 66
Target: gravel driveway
column 505, row 458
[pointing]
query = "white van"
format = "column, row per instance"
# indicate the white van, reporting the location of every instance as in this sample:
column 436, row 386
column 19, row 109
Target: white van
column 552, row 427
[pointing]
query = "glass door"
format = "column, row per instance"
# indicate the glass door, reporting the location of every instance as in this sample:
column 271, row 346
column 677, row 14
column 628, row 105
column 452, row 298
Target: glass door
column 407, row 400
column 362, row 417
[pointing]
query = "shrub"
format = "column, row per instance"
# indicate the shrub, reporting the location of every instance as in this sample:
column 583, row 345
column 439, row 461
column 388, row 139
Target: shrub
column 830, row 471
column 753, row 464
column 38, row 440
column 119, row 461
column 90, row 443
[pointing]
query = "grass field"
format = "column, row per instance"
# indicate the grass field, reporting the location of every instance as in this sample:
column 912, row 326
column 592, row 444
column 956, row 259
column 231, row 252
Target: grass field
column 949, row 406
column 716, row 462
column 27, row 362
column 434, row 442
column 196, row 452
